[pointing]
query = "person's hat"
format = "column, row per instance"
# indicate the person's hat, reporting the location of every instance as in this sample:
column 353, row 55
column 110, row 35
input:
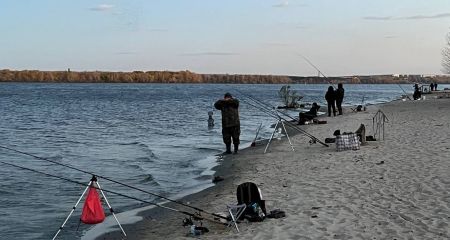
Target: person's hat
column 227, row 95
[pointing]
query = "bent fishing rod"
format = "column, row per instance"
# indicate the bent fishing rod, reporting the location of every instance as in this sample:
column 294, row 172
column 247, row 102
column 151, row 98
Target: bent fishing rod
column 114, row 181
column 278, row 117
column 195, row 216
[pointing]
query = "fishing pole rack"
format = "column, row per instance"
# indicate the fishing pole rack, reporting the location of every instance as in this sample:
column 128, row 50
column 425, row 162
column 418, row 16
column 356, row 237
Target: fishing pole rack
column 92, row 183
column 270, row 111
column 279, row 123
column 378, row 122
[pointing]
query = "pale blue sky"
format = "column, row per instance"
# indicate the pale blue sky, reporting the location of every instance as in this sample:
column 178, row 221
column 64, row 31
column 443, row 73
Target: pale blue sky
column 341, row 37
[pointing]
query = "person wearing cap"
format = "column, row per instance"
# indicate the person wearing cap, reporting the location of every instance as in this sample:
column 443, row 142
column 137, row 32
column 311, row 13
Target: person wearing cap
column 231, row 127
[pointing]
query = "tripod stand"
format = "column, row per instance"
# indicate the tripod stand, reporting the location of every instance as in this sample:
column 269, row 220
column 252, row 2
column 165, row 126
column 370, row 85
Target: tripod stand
column 279, row 122
column 92, row 183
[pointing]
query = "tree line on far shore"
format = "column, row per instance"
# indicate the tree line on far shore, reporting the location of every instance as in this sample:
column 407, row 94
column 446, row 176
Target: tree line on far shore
column 190, row 77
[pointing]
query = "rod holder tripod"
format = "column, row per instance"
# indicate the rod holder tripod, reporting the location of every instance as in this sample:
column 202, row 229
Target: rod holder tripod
column 279, row 122
column 91, row 183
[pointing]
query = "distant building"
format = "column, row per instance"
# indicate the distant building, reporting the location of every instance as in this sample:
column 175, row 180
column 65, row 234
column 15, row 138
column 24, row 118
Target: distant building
column 428, row 75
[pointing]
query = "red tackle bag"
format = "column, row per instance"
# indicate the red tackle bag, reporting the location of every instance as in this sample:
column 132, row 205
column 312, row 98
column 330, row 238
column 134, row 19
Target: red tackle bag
column 92, row 209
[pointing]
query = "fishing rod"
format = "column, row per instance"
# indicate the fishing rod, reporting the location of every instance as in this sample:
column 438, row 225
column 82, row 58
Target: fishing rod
column 274, row 113
column 195, row 216
column 314, row 66
column 278, row 117
column 265, row 105
column 114, row 181
column 261, row 106
column 407, row 95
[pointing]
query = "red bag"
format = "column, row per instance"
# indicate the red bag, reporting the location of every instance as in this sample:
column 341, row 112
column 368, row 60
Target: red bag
column 92, row 209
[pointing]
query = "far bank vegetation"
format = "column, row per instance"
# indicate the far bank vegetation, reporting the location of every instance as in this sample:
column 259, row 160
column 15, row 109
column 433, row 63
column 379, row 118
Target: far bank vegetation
column 190, row 77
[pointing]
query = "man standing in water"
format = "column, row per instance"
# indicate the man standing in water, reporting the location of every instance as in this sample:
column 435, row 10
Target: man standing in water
column 231, row 127
column 339, row 97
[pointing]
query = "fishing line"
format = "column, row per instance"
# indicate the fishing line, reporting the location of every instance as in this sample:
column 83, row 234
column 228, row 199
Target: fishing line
column 105, row 190
column 114, row 181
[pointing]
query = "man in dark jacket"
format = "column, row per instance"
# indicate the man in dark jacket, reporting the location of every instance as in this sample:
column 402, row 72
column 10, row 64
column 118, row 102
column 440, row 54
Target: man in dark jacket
column 339, row 97
column 231, row 127
column 330, row 96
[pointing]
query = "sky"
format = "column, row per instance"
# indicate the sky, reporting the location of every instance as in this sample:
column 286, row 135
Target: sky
column 340, row 37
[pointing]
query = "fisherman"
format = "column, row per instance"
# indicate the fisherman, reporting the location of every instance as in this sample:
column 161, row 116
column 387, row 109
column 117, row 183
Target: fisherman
column 309, row 115
column 231, row 128
column 417, row 94
column 435, row 86
column 330, row 96
column 339, row 97
column 431, row 87
column 210, row 119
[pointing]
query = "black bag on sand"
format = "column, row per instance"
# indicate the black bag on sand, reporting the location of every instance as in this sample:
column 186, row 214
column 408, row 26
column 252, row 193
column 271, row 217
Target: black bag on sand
column 277, row 213
column 370, row 138
column 330, row 140
column 253, row 214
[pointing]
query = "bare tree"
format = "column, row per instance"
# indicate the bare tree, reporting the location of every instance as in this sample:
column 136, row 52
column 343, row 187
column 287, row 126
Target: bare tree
column 446, row 56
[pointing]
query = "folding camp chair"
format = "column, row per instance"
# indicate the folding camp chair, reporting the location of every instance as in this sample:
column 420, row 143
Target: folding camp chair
column 247, row 194
column 236, row 212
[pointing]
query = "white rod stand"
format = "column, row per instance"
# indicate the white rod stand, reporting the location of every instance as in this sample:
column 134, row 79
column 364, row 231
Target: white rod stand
column 279, row 122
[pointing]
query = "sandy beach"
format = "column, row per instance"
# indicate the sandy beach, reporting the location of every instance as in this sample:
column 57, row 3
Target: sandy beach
column 396, row 188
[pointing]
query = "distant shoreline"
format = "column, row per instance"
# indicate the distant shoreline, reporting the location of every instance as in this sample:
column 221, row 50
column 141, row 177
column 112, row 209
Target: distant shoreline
column 36, row 76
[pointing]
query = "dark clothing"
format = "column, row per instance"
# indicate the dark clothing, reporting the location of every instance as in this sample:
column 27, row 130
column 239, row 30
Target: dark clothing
column 231, row 128
column 417, row 93
column 309, row 115
column 339, row 99
column 229, row 133
column 230, row 112
column 435, row 87
column 330, row 96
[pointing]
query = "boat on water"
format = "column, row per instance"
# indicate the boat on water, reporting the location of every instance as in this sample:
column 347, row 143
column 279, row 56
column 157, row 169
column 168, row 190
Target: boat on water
column 289, row 97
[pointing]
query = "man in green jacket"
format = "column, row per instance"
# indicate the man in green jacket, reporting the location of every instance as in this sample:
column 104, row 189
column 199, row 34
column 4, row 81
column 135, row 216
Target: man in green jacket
column 231, row 127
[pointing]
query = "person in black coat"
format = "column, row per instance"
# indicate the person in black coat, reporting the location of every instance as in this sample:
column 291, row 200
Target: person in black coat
column 330, row 96
column 339, row 97
column 309, row 115
column 231, row 126
column 417, row 93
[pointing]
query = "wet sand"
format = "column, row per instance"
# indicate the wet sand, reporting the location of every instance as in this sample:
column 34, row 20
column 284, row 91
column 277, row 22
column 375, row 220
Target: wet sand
column 396, row 188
